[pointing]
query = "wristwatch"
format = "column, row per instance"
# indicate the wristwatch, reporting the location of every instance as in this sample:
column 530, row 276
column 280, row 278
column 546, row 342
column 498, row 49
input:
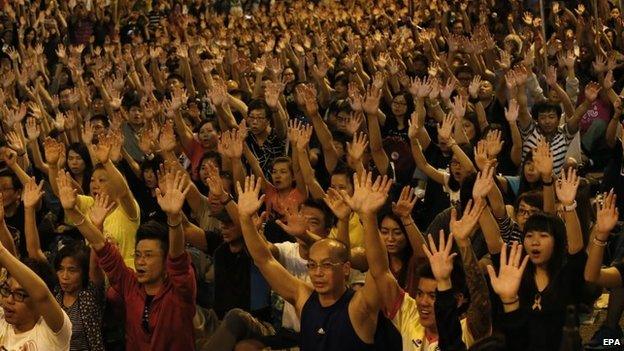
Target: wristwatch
column 227, row 200
column 568, row 208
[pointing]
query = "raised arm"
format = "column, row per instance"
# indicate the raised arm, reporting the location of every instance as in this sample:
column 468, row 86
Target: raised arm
column 491, row 232
column 371, row 108
column 120, row 190
column 320, row 128
column 591, row 93
column 285, row 284
column 403, row 209
column 39, row 295
column 32, row 197
column 543, row 163
column 479, row 311
column 511, row 115
column 566, row 192
column 607, row 218
column 68, row 198
column 367, row 199
column 171, row 202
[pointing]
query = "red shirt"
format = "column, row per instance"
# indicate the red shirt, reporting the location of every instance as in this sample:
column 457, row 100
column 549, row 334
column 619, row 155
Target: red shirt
column 172, row 309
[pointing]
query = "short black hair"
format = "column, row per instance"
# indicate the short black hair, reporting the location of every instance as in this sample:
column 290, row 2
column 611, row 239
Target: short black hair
column 102, row 118
column 328, row 215
column 542, row 107
column 258, row 104
column 15, row 182
column 153, row 230
column 532, row 198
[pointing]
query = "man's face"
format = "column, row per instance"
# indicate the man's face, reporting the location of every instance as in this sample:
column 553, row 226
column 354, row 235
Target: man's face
column 230, row 232
column 149, row 261
column 135, row 116
column 425, row 299
column 10, row 195
column 548, row 121
column 326, row 272
column 524, row 212
column 258, row 122
column 315, row 220
column 16, row 313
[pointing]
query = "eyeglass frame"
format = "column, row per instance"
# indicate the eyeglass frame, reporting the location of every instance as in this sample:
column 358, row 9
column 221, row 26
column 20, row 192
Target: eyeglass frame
column 4, row 288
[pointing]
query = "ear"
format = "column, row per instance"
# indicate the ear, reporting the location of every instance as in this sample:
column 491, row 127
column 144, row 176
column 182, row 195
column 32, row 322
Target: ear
column 346, row 269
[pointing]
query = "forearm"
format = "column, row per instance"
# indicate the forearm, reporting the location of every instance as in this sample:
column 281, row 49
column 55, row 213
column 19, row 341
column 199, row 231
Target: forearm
column 176, row 234
column 29, row 281
column 573, row 232
column 463, row 159
column 256, row 245
column 307, row 173
column 116, row 179
column 573, row 121
column 548, row 192
column 415, row 237
column 516, row 139
column 376, row 254
column 33, row 246
column 594, row 259
column 93, row 235
column 6, row 239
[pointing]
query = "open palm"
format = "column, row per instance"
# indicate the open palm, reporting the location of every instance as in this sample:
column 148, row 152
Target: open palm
column 507, row 282
column 174, row 195
column 248, row 200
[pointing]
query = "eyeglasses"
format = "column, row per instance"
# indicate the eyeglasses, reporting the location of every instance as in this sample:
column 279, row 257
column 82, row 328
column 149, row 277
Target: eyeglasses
column 400, row 103
column 325, row 266
column 18, row 296
column 526, row 211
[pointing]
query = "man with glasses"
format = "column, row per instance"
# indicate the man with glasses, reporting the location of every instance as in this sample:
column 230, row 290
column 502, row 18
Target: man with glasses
column 159, row 299
column 333, row 317
column 31, row 318
column 266, row 142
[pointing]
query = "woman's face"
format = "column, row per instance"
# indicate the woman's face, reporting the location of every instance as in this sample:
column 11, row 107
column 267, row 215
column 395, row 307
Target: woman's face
column 203, row 169
column 458, row 172
column 399, row 105
column 69, row 275
column 469, row 128
column 392, row 236
column 150, row 179
column 75, row 163
column 207, row 136
column 530, row 173
column 282, row 176
column 99, row 182
column 539, row 246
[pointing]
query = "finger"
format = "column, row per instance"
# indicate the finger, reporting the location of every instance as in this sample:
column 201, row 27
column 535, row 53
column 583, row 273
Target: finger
column 525, row 261
column 503, row 256
column 449, row 244
column 426, row 250
column 432, row 245
column 491, row 273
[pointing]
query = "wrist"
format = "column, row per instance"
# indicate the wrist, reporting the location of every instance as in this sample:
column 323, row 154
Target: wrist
column 444, row 284
column 174, row 219
column 547, row 179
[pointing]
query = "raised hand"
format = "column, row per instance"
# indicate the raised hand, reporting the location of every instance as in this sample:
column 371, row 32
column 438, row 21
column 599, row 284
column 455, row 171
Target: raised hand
column 481, row 157
column 52, row 150
column 440, row 258
column 248, row 200
column 167, row 140
column 336, row 203
column 295, row 224
column 355, row 99
column 591, row 91
column 566, row 187
column 303, row 137
column 100, row 209
column 512, row 111
column 87, row 133
column 174, row 195
column 403, row 207
column 15, row 143
column 448, row 89
column 102, row 150
column 507, row 282
column 67, row 194
column 551, row 76
column 493, row 143
column 356, row 148
column 607, row 216
column 543, row 159
column 215, row 183
column 354, row 123
column 371, row 103
column 368, row 197
column 445, row 129
column 459, row 106
column 32, row 129
column 32, row 193
column 272, row 93
column 463, row 228
column 483, row 184
column 475, row 85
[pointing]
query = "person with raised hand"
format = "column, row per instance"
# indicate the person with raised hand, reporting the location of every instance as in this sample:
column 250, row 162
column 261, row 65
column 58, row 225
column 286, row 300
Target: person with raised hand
column 552, row 280
column 333, row 317
column 506, row 284
column 79, row 290
column 30, row 316
column 607, row 218
column 414, row 317
column 160, row 296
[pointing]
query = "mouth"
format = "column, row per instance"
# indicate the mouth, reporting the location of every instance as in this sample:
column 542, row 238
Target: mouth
column 535, row 253
column 424, row 313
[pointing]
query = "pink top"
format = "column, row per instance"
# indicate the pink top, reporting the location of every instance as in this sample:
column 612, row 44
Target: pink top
column 279, row 204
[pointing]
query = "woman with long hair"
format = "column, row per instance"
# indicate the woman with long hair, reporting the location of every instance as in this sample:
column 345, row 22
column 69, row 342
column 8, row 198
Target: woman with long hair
column 535, row 294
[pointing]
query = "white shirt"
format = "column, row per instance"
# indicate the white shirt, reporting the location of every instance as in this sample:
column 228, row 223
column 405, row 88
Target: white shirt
column 291, row 260
column 39, row 338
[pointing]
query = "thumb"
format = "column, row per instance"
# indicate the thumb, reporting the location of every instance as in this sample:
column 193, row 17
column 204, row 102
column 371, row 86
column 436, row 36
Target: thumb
column 281, row 224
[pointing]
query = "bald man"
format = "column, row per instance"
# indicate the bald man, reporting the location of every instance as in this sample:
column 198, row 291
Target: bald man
column 333, row 317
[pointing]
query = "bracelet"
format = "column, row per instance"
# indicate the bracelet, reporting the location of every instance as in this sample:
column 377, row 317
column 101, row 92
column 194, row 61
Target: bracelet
column 548, row 183
column 84, row 218
column 511, row 302
column 569, row 208
column 406, row 224
column 173, row 225
column 598, row 242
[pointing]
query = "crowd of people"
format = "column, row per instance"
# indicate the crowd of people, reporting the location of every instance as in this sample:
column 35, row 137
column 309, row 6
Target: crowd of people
column 325, row 175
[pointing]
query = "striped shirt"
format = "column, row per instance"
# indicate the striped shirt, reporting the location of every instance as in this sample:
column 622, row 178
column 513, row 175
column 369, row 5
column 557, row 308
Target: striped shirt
column 510, row 230
column 558, row 143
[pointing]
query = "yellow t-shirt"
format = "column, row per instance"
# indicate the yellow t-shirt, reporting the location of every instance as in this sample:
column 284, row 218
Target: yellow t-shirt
column 118, row 226
column 407, row 321
column 356, row 231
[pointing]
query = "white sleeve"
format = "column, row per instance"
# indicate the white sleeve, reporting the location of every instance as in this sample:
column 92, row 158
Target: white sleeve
column 62, row 338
